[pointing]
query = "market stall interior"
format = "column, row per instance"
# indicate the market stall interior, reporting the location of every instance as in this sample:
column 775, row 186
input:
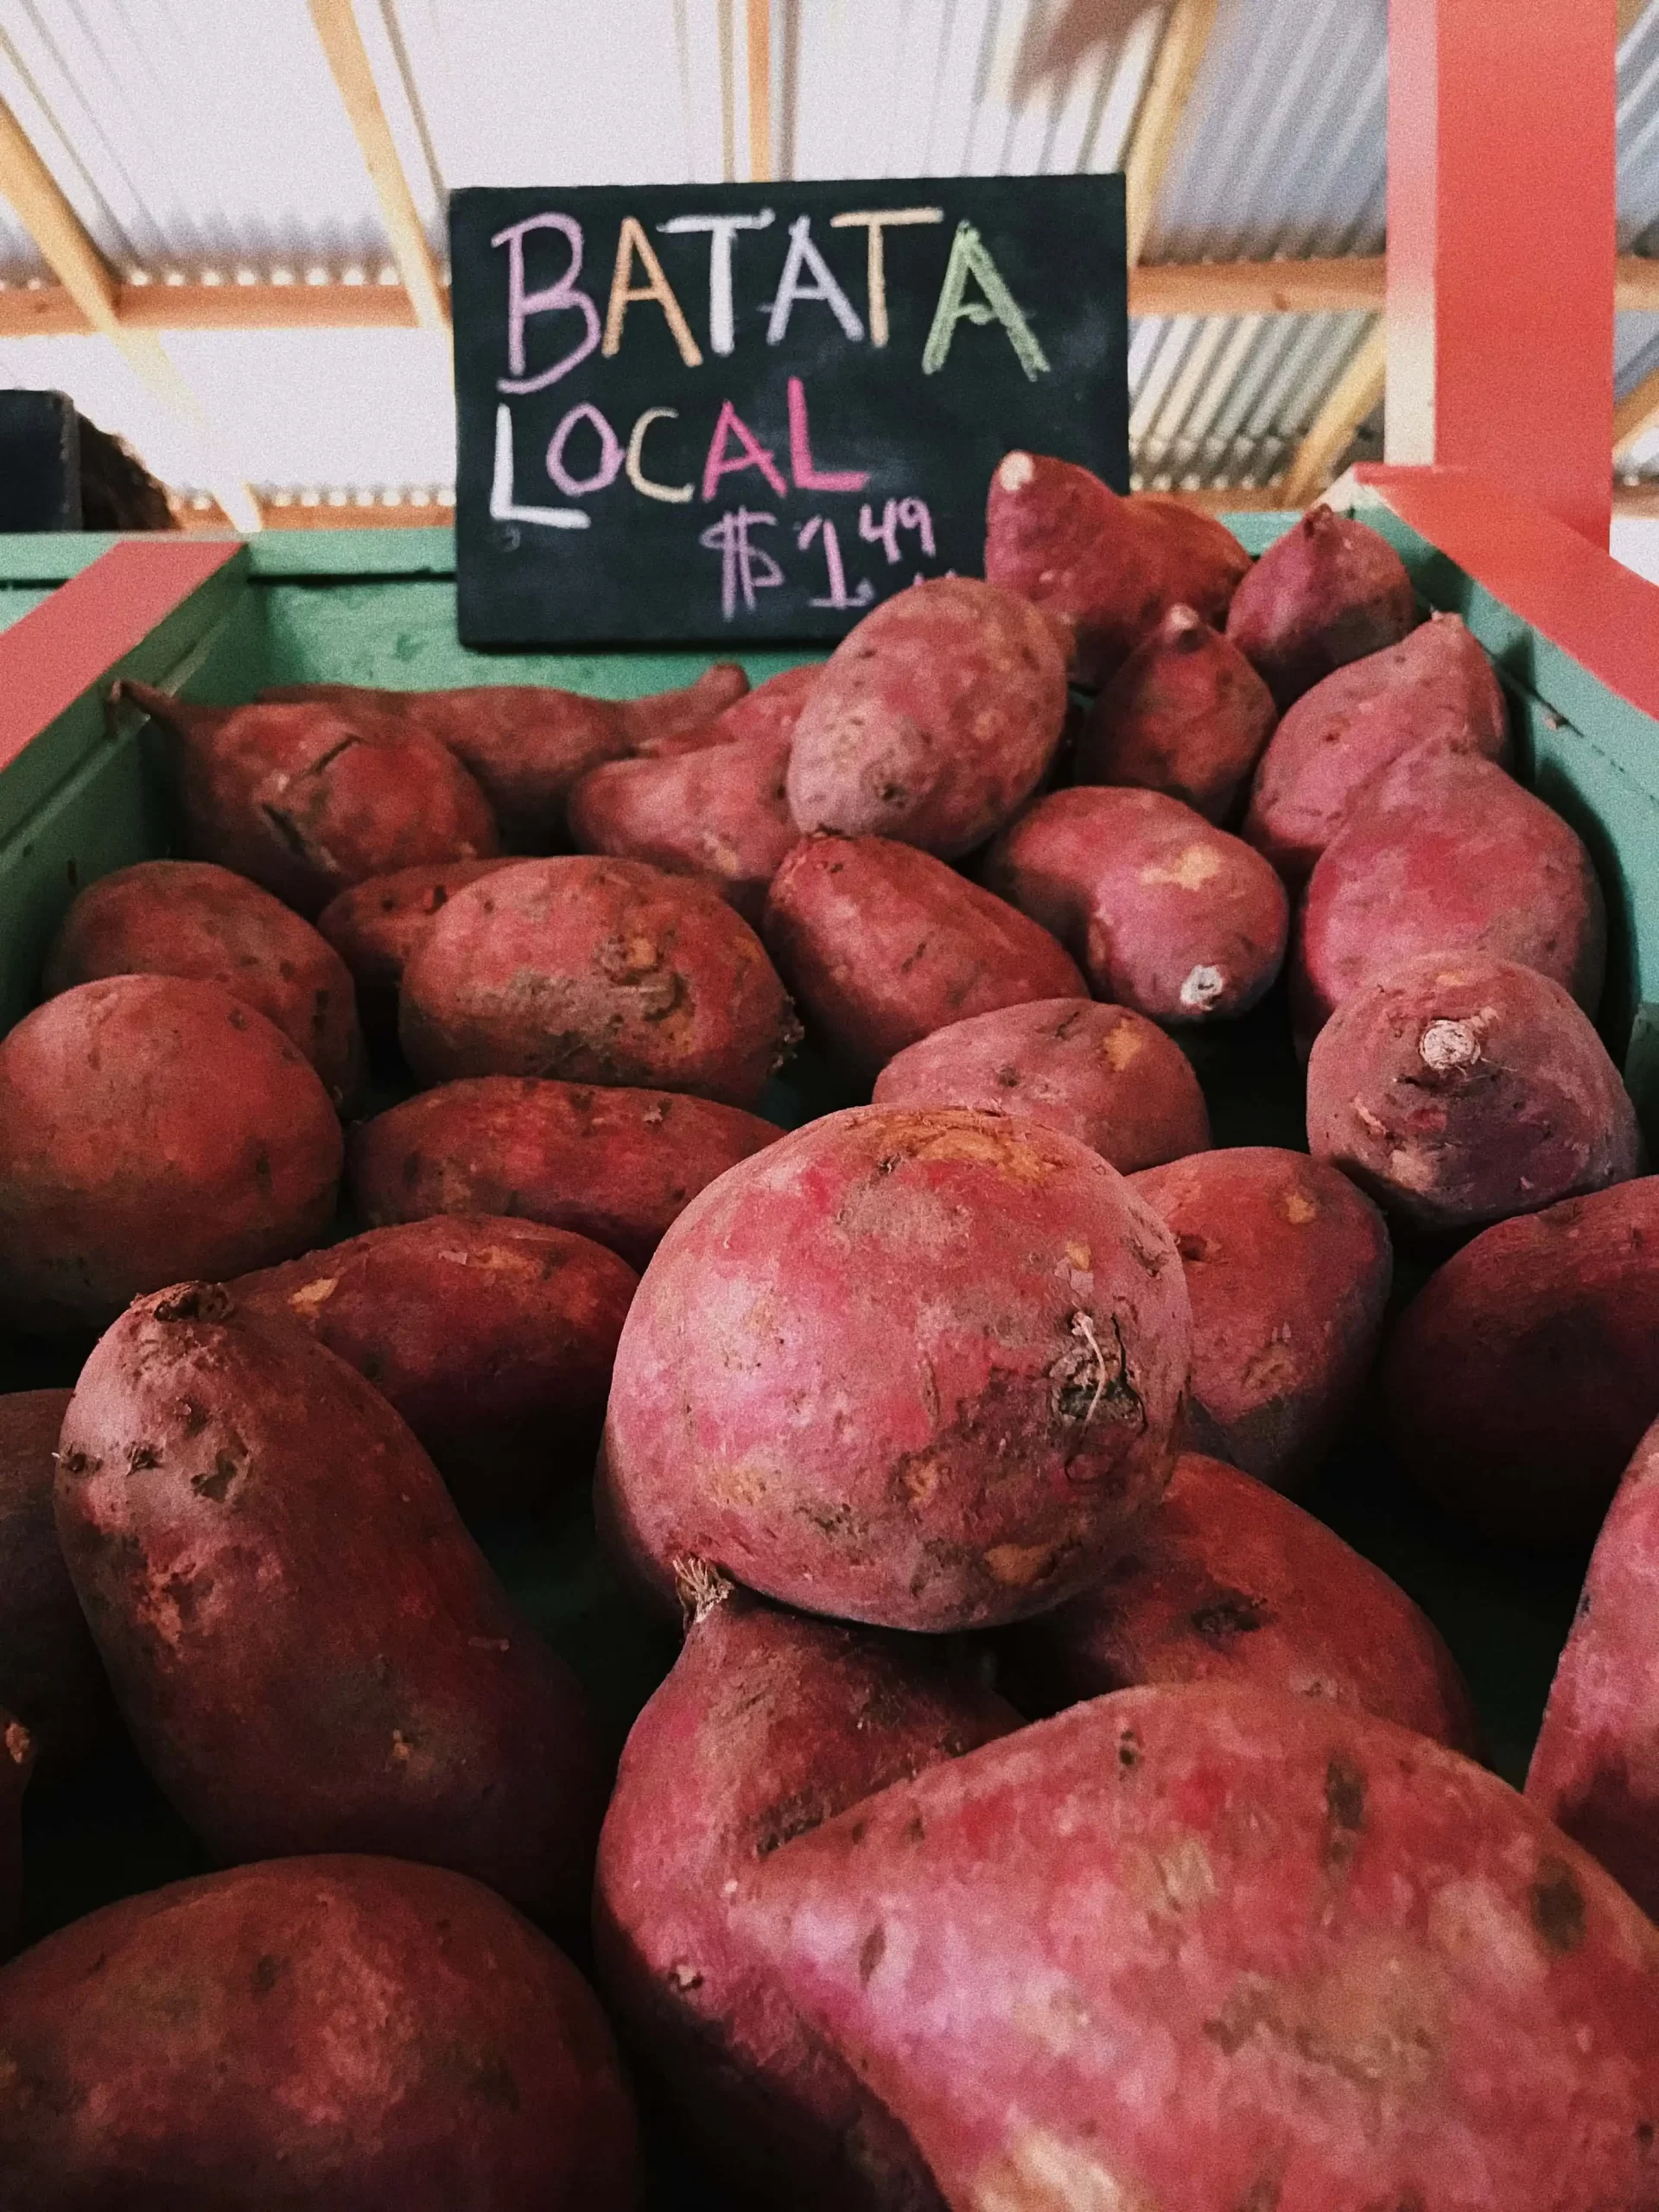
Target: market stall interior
column 828, row 1370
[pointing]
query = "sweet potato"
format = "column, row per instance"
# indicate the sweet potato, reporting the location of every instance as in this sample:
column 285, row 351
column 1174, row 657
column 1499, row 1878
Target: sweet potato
column 595, row 971
column 911, row 1368
column 1519, row 1381
column 16, row 1757
column 933, row 720
column 494, row 1339
column 1110, row 569
column 1288, row 1270
column 769, row 1725
column 1595, row 1768
column 345, row 2032
column 307, row 800
column 771, row 709
column 1446, row 854
column 1433, row 691
column 50, row 1676
column 1328, row 592
column 376, row 924
column 1219, row 1946
column 152, row 1127
column 720, row 812
column 526, row 744
column 1102, row 1074
column 1167, row 914
column 616, row 1166
column 1186, row 714
column 882, row 944
column 1459, row 1090
column 189, row 917
column 1226, row 1581
column 307, row 1647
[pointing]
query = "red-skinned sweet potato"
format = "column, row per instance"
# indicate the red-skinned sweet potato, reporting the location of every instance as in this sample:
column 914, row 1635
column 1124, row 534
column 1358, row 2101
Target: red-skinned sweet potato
column 1519, row 1381
column 1105, row 1076
column 1167, row 914
column 1227, row 1582
column 1435, row 690
column 917, row 1368
column 151, row 1126
column 934, row 718
column 1446, row 854
column 351, row 2033
column 1288, row 1270
column 50, row 1676
column 722, row 811
column 1595, row 1768
column 494, row 1339
column 1109, row 568
column 308, row 799
column 307, row 1649
column 882, row 944
column 1331, row 591
column 771, row 709
column 376, row 924
column 1223, row 1946
column 614, row 1164
column 1186, row 714
column 1458, row 1090
column 190, row 918
column 769, row 1724
column 16, row 1757
column 591, row 970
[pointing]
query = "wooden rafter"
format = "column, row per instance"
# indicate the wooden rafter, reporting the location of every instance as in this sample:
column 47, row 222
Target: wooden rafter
column 1354, row 395
column 348, row 57
column 1169, row 86
column 89, row 284
column 1630, row 13
column 759, row 55
column 1634, row 416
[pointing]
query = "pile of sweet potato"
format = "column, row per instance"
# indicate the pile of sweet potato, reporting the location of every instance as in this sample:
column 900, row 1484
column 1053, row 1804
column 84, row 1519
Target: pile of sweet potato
column 1042, row 1810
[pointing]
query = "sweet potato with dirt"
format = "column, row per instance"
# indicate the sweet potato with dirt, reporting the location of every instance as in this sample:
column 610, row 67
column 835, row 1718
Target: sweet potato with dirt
column 1226, row 1581
column 591, row 970
column 1223, row 1947
column 1446, row 854
column 934, row 718
column 1595, row 1767
column 1458, row 1090
column 1288, row 1270
column 190, row 918
column 376, row 924
column 769, row 1725
column 720, row 812
column 1109, row 568
column 307, row 1649
column 152, row 1127
column 50, row 1674
column 527, row 744
column 912, row 1368
column 1434, row 691
column 308, row 799
column 347, row 2032
column 882, row 944
column 1166, row 914
column 1330, row 591
column 1519, row 1381
column 1186, row 714
column 616, row 1166
column 493, row 1339
column 16, row 1759
column 1100, row 1074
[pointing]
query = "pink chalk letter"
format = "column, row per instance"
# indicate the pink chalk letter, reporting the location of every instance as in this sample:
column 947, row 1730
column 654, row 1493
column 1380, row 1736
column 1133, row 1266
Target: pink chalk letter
column 808, row 479
column 751, row 454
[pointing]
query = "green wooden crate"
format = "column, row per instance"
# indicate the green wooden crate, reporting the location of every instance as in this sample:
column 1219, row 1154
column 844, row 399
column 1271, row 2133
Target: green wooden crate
column 377, row 608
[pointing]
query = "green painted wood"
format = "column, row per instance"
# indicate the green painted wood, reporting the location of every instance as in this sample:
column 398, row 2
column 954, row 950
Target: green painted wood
column 52, row 556
column 17, row 600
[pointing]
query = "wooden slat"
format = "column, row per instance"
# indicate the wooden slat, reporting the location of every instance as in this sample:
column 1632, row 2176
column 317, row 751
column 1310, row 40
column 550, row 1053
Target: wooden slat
column 1355, row 395
column 759, row 46
column 1630, row 13
column 1352, row 282
column 1169, row 86
column 1636, row 415
column 348, row 57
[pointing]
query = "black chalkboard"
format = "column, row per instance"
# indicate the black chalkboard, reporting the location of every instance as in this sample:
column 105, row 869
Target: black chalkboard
column 39, row 461
column 743, row 412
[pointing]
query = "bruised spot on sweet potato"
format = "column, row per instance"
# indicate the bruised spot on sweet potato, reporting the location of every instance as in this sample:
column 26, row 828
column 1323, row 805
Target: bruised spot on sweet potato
column 1121, row 1045
column 1016, row 1566
column 314, row 1294
column 1228, row 1614
column 1189, row 871
column 1345, row 1795
column 870, row 1951
column 1300, row 1208
column 1040, row 2171
column 1558, row 1906
column 217, row 1484
column 195, row 1301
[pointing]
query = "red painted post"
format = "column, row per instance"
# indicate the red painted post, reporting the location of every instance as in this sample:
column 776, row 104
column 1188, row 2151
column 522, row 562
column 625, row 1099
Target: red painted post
column 1501, row 237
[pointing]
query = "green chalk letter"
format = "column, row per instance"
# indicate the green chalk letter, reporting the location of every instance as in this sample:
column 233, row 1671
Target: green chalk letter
column 969, row 258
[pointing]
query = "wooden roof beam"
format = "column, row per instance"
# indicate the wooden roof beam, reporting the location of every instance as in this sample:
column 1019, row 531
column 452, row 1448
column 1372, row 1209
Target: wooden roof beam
column 1181, row 49
column 348, row 59
column 759, row 58
column 89, row 285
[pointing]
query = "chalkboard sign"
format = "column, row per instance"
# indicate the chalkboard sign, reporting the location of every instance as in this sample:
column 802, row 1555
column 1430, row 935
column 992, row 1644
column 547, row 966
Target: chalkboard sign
column 747, row 412
column 39, row 461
